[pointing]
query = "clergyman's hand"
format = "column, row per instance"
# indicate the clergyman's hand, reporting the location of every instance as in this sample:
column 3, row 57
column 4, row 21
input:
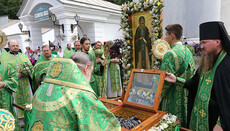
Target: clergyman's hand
column 98, row 60
column 170, row 77
column 217, row 128
column 1, row 84
column 104, row 62
column 114, row 60
column 141, row 38
column 19, row 75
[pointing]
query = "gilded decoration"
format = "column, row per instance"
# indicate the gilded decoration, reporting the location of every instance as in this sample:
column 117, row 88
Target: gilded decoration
column 159, row 48
column 3, row 39
column 128, row 112
column 7, row 121
column 38, row 126
column 56, row 70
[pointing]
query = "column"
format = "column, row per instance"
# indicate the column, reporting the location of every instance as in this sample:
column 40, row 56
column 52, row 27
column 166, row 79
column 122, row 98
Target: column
column 35, row 36
column 67, row 31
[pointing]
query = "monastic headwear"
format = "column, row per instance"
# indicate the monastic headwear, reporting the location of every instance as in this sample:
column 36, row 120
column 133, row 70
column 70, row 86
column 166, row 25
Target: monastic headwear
column 215, row 30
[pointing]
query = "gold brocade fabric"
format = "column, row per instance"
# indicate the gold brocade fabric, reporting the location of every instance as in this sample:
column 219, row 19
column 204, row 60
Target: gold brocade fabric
column 40, row 68
column 65, row 101
column 22, row 95
column 178, row 61
column 9, row 77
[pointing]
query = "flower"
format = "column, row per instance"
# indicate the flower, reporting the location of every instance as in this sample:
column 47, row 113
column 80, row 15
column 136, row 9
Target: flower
column 159, row 3
column 74, row 37
column 131, row 4
column 167, row 122
column 164, row 125
column 27, row 40
column 173, row 118
column 61, row 37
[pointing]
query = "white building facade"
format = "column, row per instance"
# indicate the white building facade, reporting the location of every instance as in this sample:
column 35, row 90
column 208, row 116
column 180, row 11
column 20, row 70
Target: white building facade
column 99, row 20
column 191, row 13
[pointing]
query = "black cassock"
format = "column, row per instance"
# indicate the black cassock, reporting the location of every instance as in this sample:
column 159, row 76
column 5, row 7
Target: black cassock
column 219, row 103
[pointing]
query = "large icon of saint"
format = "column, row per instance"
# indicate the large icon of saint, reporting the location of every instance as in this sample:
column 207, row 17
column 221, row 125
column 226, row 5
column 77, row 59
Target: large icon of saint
column 142, row 45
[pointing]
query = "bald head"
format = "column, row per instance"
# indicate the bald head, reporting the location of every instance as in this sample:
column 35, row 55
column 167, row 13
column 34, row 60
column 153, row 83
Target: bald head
column 13, row 45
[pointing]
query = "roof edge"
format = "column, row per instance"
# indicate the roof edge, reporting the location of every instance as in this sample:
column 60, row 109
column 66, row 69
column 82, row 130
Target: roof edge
column 21, row 7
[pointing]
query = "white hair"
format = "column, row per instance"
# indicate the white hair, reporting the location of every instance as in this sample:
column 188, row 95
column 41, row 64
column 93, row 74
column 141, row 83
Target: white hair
column 82, row 59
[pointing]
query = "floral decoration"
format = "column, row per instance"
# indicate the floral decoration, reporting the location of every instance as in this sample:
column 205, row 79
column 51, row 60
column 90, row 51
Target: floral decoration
column 61, row 37
column 167, row 123
column 75, row 37
column 194, row 48
column 155, row 7
column 27, row 40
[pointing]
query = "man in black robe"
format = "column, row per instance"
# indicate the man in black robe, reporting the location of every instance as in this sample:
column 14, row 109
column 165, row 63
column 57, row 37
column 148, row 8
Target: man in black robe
column 219, row 102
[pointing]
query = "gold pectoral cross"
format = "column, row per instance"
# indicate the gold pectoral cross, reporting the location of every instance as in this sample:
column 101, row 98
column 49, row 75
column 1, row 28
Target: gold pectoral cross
column 202, row 112
column 208, row 80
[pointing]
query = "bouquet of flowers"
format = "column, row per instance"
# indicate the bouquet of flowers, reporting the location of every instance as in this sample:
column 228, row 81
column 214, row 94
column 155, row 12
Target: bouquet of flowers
column 167, row 123
column 115, row 49
column 61, row 37
column 25, row 69
column 74, row 37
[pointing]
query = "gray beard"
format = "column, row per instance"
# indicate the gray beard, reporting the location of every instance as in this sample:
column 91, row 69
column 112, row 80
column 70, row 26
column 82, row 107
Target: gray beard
column 207, row 61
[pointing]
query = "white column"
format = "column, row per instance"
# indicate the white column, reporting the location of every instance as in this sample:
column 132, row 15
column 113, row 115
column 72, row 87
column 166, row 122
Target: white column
column 199, row 11
column 99, row 31
column 67, row 31
column 35, row 37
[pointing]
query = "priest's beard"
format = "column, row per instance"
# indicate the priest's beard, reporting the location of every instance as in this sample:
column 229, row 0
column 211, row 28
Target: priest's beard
column 208, row 61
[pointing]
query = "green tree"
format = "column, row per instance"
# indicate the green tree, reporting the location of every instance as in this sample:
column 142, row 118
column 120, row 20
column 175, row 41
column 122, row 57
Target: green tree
column 10, row 8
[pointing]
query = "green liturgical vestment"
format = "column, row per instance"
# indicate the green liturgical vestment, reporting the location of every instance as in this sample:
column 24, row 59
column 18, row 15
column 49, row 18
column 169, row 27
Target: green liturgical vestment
column 66, row 102
column 111, row 79
column 199, row 117
column 179, row 61
column 9, row 77
column 96, row 78
column 68, row 53
column 41, row 68
column 23, row 93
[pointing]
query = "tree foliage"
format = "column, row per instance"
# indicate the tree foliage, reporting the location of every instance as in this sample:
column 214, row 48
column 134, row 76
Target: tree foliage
column 10, row 8
column 119, row 2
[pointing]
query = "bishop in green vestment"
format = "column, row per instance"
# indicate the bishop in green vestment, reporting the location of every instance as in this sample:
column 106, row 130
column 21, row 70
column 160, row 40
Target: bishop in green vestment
column 8, row 85
column 65, row 101
column 209, row 88
column 179, row 61
column 41, row 66
column 68, row 51
column 23, row 94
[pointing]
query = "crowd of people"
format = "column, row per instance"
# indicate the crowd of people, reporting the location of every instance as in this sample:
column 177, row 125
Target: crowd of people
column 64, row 91
column 32, row 69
